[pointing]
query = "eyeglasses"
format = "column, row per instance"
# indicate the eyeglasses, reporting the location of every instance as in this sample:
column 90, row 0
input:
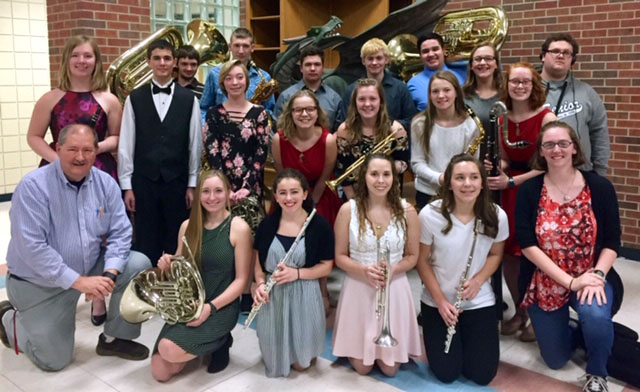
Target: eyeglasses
column 487, row 59
column 561, row 144
column 309, row 110
column 524, row 82
column 558, row 52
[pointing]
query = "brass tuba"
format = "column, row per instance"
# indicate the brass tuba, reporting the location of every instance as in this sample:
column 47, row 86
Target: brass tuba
column 177, row 295
column 461, row 31
column 131, row 70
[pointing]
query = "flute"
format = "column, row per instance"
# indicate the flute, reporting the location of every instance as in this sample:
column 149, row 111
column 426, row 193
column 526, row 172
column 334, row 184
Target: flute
column 271, row 281
column 451, row 330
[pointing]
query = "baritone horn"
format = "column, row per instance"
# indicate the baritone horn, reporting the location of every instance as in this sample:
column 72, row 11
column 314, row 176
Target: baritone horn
column 386, row 146
column 131, row 70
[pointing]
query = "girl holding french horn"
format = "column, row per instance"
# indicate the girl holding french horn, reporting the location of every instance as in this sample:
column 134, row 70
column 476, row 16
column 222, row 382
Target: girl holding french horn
column 460, row 328
column 293, row 250
column 221, row 245
column 376, row 217
column 442, row 130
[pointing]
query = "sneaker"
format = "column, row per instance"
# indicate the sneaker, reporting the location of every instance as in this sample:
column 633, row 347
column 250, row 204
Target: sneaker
column 125, row 349
column 5, row 306
column 220, row 357
column 595, row 384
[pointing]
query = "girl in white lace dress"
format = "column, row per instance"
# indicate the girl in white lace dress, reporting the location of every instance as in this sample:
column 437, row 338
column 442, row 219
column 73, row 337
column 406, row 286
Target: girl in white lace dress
column 377, row 207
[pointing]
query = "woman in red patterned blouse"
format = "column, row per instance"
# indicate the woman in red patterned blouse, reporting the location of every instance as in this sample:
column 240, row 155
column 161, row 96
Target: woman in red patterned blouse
column 572, row 242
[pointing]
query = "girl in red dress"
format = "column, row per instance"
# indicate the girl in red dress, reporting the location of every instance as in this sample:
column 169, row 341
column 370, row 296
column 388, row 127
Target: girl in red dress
column 304, row 143
column 524, row 96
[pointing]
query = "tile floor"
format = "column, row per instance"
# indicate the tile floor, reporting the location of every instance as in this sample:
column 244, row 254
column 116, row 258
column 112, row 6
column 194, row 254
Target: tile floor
column 521, row 368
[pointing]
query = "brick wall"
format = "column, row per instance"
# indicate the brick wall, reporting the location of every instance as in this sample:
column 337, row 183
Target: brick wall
column 609, row 36
column 117, row 25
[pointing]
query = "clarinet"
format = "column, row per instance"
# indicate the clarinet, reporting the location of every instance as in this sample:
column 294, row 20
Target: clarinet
column 271, row 281
column 451, row 330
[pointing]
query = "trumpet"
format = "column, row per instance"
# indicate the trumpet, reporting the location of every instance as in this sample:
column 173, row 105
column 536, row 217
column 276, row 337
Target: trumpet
column 271, row 281
column 384, row 338
column 451, row 330
column 385, row 146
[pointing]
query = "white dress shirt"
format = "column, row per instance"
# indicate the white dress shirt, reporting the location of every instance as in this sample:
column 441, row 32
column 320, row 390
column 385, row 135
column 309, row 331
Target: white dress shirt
column 127, row 142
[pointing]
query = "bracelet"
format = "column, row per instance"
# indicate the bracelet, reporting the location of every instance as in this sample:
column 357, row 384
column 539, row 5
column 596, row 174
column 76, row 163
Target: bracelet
column 110, row 275
column 212, row 308
column 258, row 284
column 298, row 273
column 570, row 282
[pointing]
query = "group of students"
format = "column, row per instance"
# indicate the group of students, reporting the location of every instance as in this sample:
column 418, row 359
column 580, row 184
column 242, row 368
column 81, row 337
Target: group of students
column 563, row 224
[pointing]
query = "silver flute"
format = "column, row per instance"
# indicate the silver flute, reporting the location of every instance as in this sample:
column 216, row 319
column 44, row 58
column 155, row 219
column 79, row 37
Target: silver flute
column 271, row 281
column 451, row 330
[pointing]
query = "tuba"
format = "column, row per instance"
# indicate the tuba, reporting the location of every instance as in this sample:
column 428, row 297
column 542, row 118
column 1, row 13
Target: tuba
column 177, row 295
column 461, row 32
column 131, row 70
column 386, row 146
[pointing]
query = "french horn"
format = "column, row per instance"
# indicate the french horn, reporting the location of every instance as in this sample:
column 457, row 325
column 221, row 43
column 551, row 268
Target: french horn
column 176, row 294
column 131, row 70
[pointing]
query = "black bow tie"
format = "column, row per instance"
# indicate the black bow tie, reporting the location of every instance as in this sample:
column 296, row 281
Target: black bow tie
column 166, row 90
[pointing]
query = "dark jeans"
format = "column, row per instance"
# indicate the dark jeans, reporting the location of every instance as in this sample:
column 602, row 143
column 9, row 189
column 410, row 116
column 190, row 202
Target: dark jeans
column 422, row 199
column 474, row 350
column 557, row 339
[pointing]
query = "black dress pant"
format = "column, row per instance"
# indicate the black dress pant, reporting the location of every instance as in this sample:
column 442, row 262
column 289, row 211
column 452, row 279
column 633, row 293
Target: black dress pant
column 160, row 210
column 474, row 350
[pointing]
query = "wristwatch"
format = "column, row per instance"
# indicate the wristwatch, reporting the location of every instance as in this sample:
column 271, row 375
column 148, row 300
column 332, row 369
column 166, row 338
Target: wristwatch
column 599, row 273
column 511, row 183
column 110, row 275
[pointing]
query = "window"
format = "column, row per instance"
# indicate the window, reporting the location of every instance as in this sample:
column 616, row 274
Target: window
column 224, row 13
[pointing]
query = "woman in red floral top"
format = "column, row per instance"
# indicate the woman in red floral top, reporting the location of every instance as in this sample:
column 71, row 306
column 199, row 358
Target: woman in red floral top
column 568, row 226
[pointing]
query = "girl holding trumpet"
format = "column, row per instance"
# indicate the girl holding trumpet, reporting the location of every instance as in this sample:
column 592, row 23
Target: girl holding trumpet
column 291, row 322
column 376, row 213
column 457, row 291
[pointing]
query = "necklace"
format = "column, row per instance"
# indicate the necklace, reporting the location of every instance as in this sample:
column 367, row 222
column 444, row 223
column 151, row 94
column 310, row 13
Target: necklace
column 565, row 195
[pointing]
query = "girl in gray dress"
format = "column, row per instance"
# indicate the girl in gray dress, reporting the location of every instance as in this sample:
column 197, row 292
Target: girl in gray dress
column 291, row 323
column 221, row 244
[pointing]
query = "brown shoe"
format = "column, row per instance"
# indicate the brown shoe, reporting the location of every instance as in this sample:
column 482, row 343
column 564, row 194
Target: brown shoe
column 514, row 325
column 125, row 349
column 528, row 334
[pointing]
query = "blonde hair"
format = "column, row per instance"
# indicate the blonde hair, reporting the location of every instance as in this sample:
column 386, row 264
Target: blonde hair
column 98, row 80
column 373, row 46
column 197, row 217
column 226, row 68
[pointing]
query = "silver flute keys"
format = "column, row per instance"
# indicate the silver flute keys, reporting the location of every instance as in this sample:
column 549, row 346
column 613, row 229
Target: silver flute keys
column 271, row 281
column 451, row 330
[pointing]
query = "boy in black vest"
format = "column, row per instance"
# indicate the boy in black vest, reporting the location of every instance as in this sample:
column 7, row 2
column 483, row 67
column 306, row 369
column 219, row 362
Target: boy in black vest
column 158, row 154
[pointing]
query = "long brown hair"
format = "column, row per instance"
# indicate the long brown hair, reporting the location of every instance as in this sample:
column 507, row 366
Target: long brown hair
column 98, row 80
column 483, row 209
column 285, row 121
column 470, row 86
column 429, row 114
column 294, row 174
column 394, row 199
column 197, row 217
column 538, row 92
column 353, row 123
